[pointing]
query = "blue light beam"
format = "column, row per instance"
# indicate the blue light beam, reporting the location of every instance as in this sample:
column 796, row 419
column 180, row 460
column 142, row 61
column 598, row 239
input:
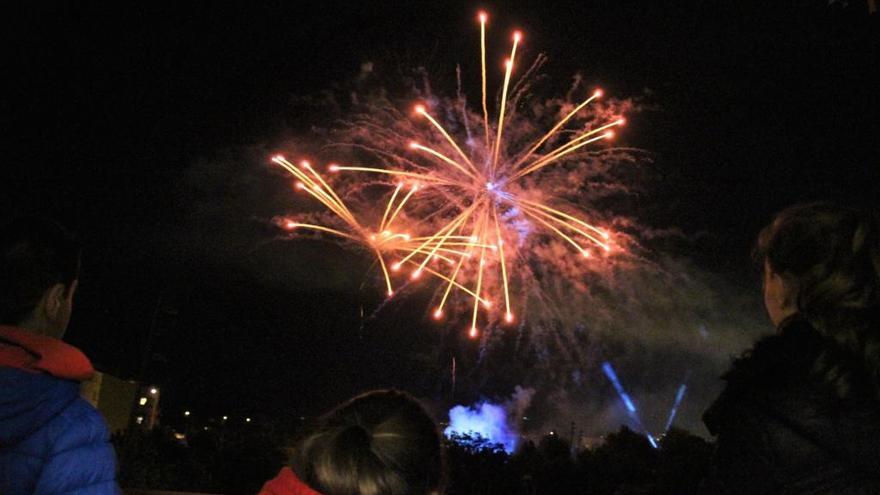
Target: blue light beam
column 678, row 398
column 630, row 406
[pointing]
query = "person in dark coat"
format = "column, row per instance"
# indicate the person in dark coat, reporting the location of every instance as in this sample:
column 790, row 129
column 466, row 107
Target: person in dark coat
column 51, row 440
column 801, row 410
column 380, row 443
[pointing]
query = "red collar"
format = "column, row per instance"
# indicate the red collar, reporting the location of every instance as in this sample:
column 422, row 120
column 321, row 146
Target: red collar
column 286, row 483
column 33, row 352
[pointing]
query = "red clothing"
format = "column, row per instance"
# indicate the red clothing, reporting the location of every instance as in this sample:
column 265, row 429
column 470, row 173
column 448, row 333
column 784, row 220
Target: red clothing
column 37, row 353
column 286, row 483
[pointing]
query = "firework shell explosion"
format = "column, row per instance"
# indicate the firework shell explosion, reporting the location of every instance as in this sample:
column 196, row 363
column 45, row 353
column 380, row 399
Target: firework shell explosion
column 485, row 206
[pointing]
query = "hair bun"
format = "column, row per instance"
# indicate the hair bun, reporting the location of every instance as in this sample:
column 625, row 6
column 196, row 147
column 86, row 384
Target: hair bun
column 381, row 442
column 355, row 436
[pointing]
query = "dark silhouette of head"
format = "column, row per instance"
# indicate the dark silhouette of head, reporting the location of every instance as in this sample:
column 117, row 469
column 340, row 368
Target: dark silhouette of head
column 379, row 443
column 39, row 268
column 822, row 263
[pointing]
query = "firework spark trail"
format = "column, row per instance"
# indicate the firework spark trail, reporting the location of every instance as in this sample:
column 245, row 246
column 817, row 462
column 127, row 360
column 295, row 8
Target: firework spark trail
column 507, row 73
column 464, row 214
column 483, row 17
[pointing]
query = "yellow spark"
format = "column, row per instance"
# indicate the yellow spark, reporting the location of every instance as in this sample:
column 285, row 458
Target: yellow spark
column 516, row 38
column 451, row 237
column 557, row 155
column 451, row 281
column 558, row 232
column 451, row 225
column 398, row 173
column 473, row 331
column 500, row 243
column 595, row 229
column 483, row 18
column 587, row 134
column 280, row 160
column 456, row 284
column 400, row 206
column 388, row 208
column 420, row 109
column 441, row 156
column 568, row 225
column 330, row 191
column 596, row 94
column 439, row 244
column 316, row 192
column 385, row 273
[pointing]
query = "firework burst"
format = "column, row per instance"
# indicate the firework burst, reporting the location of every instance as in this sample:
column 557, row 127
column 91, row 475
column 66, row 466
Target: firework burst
column 466, row 206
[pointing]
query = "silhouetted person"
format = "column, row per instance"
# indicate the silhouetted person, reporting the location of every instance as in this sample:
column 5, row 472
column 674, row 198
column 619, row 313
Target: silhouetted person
column 51, row 440
column 800, row 412
column 380, row 443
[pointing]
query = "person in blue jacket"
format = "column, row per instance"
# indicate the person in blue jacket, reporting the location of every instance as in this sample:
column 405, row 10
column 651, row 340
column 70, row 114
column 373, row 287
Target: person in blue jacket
column 51, row 440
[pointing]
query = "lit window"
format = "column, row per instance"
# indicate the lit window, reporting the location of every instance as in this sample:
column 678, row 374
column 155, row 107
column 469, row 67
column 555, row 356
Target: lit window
column 143, row 401
column 139, row 419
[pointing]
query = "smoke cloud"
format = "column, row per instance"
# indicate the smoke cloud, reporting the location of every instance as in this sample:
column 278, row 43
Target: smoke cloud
column 497, row 423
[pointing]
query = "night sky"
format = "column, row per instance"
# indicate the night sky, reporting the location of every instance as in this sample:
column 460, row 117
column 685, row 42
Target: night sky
column 146, row 130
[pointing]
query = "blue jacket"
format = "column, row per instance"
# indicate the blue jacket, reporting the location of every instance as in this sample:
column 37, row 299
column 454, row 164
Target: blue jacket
column 51, row 440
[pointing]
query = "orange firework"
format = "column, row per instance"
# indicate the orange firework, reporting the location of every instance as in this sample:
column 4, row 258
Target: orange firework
column 474, row 238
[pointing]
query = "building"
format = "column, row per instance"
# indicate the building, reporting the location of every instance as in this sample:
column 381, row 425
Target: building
column 123, row 403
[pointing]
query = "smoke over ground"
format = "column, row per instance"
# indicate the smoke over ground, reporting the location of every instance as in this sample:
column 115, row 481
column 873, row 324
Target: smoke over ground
column 497, row 423
column 676, row 325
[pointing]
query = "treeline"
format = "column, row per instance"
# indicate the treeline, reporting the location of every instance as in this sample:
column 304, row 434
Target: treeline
column 239, row 460
column 625, row 464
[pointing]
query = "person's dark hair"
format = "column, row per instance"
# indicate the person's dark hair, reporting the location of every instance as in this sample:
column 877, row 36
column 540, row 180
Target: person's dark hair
column 829, row 258
column 35, row 254
column 379, row 443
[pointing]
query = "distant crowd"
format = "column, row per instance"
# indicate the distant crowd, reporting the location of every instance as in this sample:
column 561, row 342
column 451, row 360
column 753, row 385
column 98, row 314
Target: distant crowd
column 800, row 412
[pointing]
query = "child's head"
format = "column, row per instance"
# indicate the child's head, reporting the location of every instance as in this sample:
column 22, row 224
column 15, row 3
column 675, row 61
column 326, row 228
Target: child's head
column 379, row 443
column 39, row 268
